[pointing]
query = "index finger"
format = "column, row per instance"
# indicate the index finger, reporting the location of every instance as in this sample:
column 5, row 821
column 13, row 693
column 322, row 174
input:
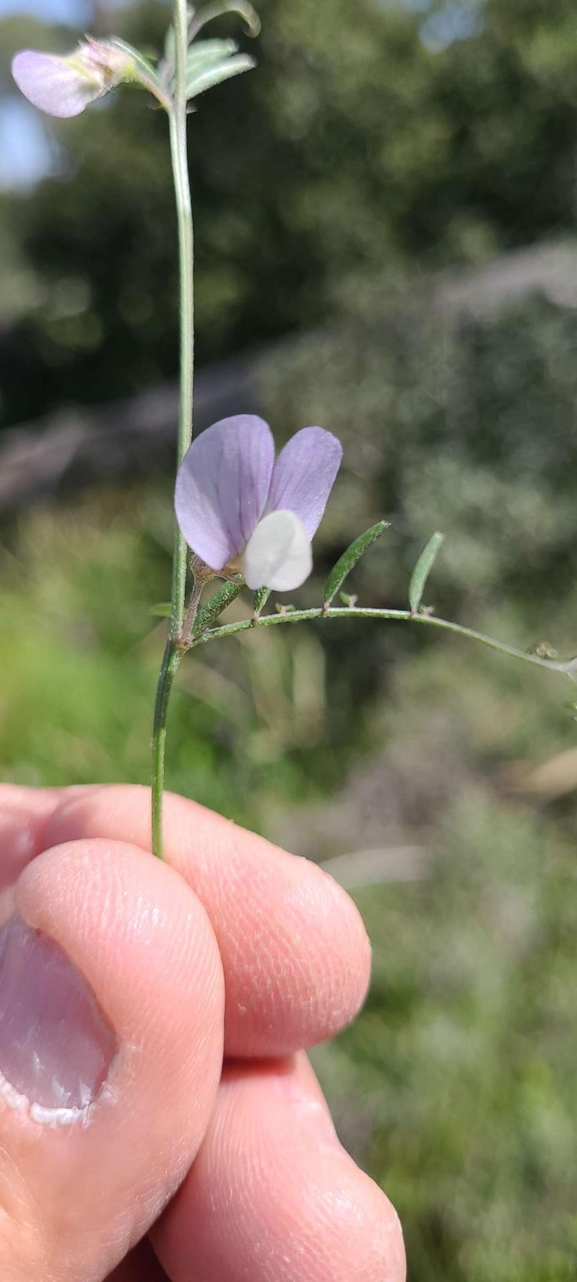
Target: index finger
column 295, row 953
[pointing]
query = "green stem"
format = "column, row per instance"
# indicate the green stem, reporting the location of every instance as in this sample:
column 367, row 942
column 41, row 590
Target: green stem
column 172, row 653
column 565, row 667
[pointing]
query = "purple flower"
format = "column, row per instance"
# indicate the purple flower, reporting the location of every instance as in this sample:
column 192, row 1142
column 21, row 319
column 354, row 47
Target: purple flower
column 239, row 509
column 65, row 86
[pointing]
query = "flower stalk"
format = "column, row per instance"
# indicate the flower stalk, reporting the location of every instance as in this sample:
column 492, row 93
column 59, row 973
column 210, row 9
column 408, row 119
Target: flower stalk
column 173, row 652
column 565, row 667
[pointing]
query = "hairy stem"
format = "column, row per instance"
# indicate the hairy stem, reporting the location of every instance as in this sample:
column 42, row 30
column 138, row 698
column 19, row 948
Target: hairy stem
column 565, row 667
column 172, row 653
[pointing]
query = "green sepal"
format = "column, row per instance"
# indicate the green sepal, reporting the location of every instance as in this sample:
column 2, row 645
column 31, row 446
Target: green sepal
column 215, row 72
column 422, row 570
column 162, row 610
column 215, row 606
column 349, row 559
column 259, row 600
column 145, row 73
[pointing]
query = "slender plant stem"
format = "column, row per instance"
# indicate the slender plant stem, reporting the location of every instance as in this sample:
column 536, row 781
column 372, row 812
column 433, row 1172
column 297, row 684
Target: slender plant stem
column 565, row 667
column 172, row 653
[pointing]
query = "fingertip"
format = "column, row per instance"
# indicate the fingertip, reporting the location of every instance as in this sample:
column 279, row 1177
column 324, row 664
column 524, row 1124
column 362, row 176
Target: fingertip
column 271, row 1183
column 295, row 953
column 111, row 1019
column 24, row 814
column 340, row 933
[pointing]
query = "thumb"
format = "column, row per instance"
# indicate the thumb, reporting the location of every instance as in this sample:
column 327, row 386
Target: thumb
column 111, row 1024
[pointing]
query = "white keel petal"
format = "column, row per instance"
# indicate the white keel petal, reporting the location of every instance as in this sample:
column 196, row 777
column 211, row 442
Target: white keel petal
column 278, row 554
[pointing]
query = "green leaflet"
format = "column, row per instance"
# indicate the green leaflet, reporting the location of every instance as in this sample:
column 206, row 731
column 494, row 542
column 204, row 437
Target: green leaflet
column 213, row 73
column 207, row 51
column 422, row 570
column 210, row 612
column 349, row 559
column 162, row 610
column 208, row 63
column 200, row 57
column 260, row 598
column 218, row 8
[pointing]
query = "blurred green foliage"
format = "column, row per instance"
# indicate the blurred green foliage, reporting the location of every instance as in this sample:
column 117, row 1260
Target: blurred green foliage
column 454, row 422
column 367, row 150
column 354, row 149
column 455, row 1087
column 80, row 652
column 465, row 1052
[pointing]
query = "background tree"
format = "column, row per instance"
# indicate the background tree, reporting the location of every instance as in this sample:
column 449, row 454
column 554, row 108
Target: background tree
column 368, row 142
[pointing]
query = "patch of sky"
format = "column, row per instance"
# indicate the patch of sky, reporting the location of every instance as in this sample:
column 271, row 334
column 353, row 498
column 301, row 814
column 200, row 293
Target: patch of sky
column 452, row 22
column 68, row 11
column 26, row 153
column 73, row 12
column 442, row 23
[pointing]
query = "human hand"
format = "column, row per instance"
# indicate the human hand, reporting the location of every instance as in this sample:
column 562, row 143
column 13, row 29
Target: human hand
column 217, row 1175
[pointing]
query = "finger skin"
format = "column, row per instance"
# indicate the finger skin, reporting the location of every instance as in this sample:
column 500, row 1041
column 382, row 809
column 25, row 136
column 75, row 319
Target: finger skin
column 294, row 950
column 75, row 1198
column 23, row 814
column 270, row 1170
column 273, row 1197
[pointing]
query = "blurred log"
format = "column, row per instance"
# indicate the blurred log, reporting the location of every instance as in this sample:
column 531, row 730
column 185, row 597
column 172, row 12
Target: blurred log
column 548, row 270
column 118, row 443
column 549, row 781
column 128, row 439
column 387, row 865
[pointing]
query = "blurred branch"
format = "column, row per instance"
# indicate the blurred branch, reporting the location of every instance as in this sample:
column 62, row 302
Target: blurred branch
column 86, row 446
column 550, row 780
column 126, row 439
column 378, row 867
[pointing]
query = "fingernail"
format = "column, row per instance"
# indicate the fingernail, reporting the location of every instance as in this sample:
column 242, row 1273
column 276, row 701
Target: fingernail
column 56, row 1047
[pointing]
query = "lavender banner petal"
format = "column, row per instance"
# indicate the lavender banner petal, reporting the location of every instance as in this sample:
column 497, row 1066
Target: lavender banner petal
column 53, row 85
column 222, row 487
column 304, row 476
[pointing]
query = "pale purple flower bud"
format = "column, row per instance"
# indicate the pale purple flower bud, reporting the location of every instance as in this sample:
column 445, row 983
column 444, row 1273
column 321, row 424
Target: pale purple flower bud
column 236, row 507
column 65, row 86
